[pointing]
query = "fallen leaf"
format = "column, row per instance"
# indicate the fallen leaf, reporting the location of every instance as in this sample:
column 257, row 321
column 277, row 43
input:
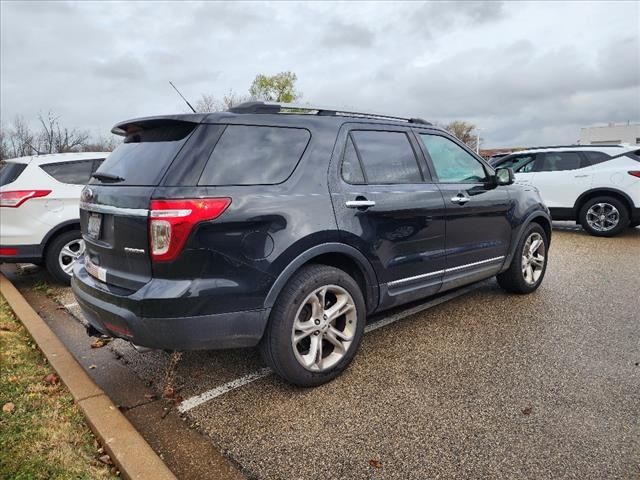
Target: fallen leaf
column 106, row 459
column 91, row 367
column 52, row 378
column 375, row 463
column 13, row 379
column 169, row 392
column 150, row 396
column 99, row 343
column 8, row 407
column 7, row 327
column 527, row 411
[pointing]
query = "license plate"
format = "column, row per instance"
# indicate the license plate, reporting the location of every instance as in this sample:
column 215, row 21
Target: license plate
column 93, row 227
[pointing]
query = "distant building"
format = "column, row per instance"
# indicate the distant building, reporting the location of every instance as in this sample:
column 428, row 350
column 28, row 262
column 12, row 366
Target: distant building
column 612, row 133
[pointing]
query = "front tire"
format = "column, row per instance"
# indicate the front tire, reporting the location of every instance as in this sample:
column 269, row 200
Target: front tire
column 315, row 327
column 529, row 263
column 604, row 216
column 63, row 250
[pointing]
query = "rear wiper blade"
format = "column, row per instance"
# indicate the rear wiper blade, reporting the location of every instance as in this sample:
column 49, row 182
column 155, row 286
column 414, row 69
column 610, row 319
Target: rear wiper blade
column 107, row 177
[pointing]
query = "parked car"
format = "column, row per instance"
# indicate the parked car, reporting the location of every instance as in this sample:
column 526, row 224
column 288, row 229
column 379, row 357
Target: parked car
column 39, row 209
column 597, row 186
column 258, row 226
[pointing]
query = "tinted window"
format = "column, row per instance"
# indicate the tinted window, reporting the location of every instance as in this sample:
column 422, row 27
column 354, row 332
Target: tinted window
column 558, row 161
column 10, row 171
column 144, row 156
column 451, row 162
column 77, row 173
column 596, row 157
column 251, row 155
column 351, row 168
column 387, row 157
column 516, row 161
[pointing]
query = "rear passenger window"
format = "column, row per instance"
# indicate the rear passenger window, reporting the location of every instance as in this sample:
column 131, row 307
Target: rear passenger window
column 558, row 161
column 596, row 157
column 351, row 168
column 76, row 173
column 254, row 155
column 386, row 157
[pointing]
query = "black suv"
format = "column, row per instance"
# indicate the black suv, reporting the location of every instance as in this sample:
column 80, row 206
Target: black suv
column 286, row 227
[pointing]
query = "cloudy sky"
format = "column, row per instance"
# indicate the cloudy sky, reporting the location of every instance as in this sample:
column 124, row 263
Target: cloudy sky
column 525, row 73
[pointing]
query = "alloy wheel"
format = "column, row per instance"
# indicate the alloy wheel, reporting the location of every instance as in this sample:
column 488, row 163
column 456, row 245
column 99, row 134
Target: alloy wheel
column 533, row 258
column 603, row 217
column 324, row 328
column 69, row 253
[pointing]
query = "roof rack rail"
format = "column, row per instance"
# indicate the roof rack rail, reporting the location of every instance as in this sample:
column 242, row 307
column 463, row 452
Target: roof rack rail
column 288, row 108
column 578, row 146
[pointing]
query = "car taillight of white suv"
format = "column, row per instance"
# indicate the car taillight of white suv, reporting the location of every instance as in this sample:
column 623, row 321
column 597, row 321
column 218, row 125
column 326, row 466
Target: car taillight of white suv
column 39, row 209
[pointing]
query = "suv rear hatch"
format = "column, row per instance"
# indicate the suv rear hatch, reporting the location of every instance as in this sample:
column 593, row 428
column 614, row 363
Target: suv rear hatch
column 114, row 208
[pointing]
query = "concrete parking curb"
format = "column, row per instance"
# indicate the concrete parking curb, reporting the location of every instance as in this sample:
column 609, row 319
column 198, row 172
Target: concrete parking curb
column 130, row 452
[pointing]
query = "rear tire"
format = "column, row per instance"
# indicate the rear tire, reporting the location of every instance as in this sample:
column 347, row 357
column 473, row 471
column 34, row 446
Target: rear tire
column 529, row 263
column 604, row 216
column 306, row 342
column 61, row 253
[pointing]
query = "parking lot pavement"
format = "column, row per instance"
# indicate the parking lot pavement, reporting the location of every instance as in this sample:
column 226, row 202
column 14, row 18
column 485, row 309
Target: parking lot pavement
column 487, row 385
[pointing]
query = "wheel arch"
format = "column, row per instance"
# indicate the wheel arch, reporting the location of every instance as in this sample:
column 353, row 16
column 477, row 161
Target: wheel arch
column 338, row 255
column 63, row 227
column 603, row 191
column 541, row 218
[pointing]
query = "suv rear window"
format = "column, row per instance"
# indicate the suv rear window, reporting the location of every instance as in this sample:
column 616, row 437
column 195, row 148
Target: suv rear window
column 255, row 155
column 10, row 171
column 145, row 155
column 76, row 173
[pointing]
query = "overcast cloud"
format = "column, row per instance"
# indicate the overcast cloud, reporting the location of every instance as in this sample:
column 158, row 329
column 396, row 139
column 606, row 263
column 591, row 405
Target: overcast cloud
column 525, row 73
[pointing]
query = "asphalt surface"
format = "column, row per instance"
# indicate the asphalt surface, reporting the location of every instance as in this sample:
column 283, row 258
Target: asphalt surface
column 487, row 385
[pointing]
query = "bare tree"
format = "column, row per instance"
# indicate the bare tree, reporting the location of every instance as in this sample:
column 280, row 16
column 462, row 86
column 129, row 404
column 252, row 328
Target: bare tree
column 208, row 103
column 57, row 139
column 20, row 139
column 100, row 144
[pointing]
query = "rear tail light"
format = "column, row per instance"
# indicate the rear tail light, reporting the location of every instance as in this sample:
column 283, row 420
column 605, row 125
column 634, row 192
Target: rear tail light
column 8, row 252
column 635, row 173
column 171, row 222
column 15, row 198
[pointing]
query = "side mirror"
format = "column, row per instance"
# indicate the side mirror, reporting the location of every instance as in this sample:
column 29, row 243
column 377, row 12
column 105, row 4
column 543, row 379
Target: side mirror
column 505, row 176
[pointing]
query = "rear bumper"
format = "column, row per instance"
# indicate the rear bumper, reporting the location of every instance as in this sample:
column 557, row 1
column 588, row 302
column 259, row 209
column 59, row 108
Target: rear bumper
column 114, row 315
column 23, row 253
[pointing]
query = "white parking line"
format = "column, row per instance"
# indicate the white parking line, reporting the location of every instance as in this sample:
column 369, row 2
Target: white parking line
column 196, row 400
column 193, row 402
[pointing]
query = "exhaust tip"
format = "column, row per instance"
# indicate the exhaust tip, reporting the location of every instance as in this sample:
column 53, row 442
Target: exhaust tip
column 140, row 349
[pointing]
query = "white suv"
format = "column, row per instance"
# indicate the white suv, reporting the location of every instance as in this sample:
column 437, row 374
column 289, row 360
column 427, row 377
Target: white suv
column 39, row 209
column 598, row 186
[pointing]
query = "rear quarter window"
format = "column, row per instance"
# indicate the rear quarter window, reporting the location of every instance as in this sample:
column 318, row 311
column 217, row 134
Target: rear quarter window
column 10, row 171
column 145, row 155
column 255, row 155
column 594, row 158
column 76, row 173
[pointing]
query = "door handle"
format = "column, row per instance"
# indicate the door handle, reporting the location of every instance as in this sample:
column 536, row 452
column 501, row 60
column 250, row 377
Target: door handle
column 580, row 176
column 460, row 199
column 360, row 203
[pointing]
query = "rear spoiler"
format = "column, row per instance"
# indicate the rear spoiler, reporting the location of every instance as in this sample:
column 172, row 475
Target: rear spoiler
column 146, row 123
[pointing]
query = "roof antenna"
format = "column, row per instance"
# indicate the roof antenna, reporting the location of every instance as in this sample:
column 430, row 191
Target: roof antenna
column 182, row 96
column 35, row 149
